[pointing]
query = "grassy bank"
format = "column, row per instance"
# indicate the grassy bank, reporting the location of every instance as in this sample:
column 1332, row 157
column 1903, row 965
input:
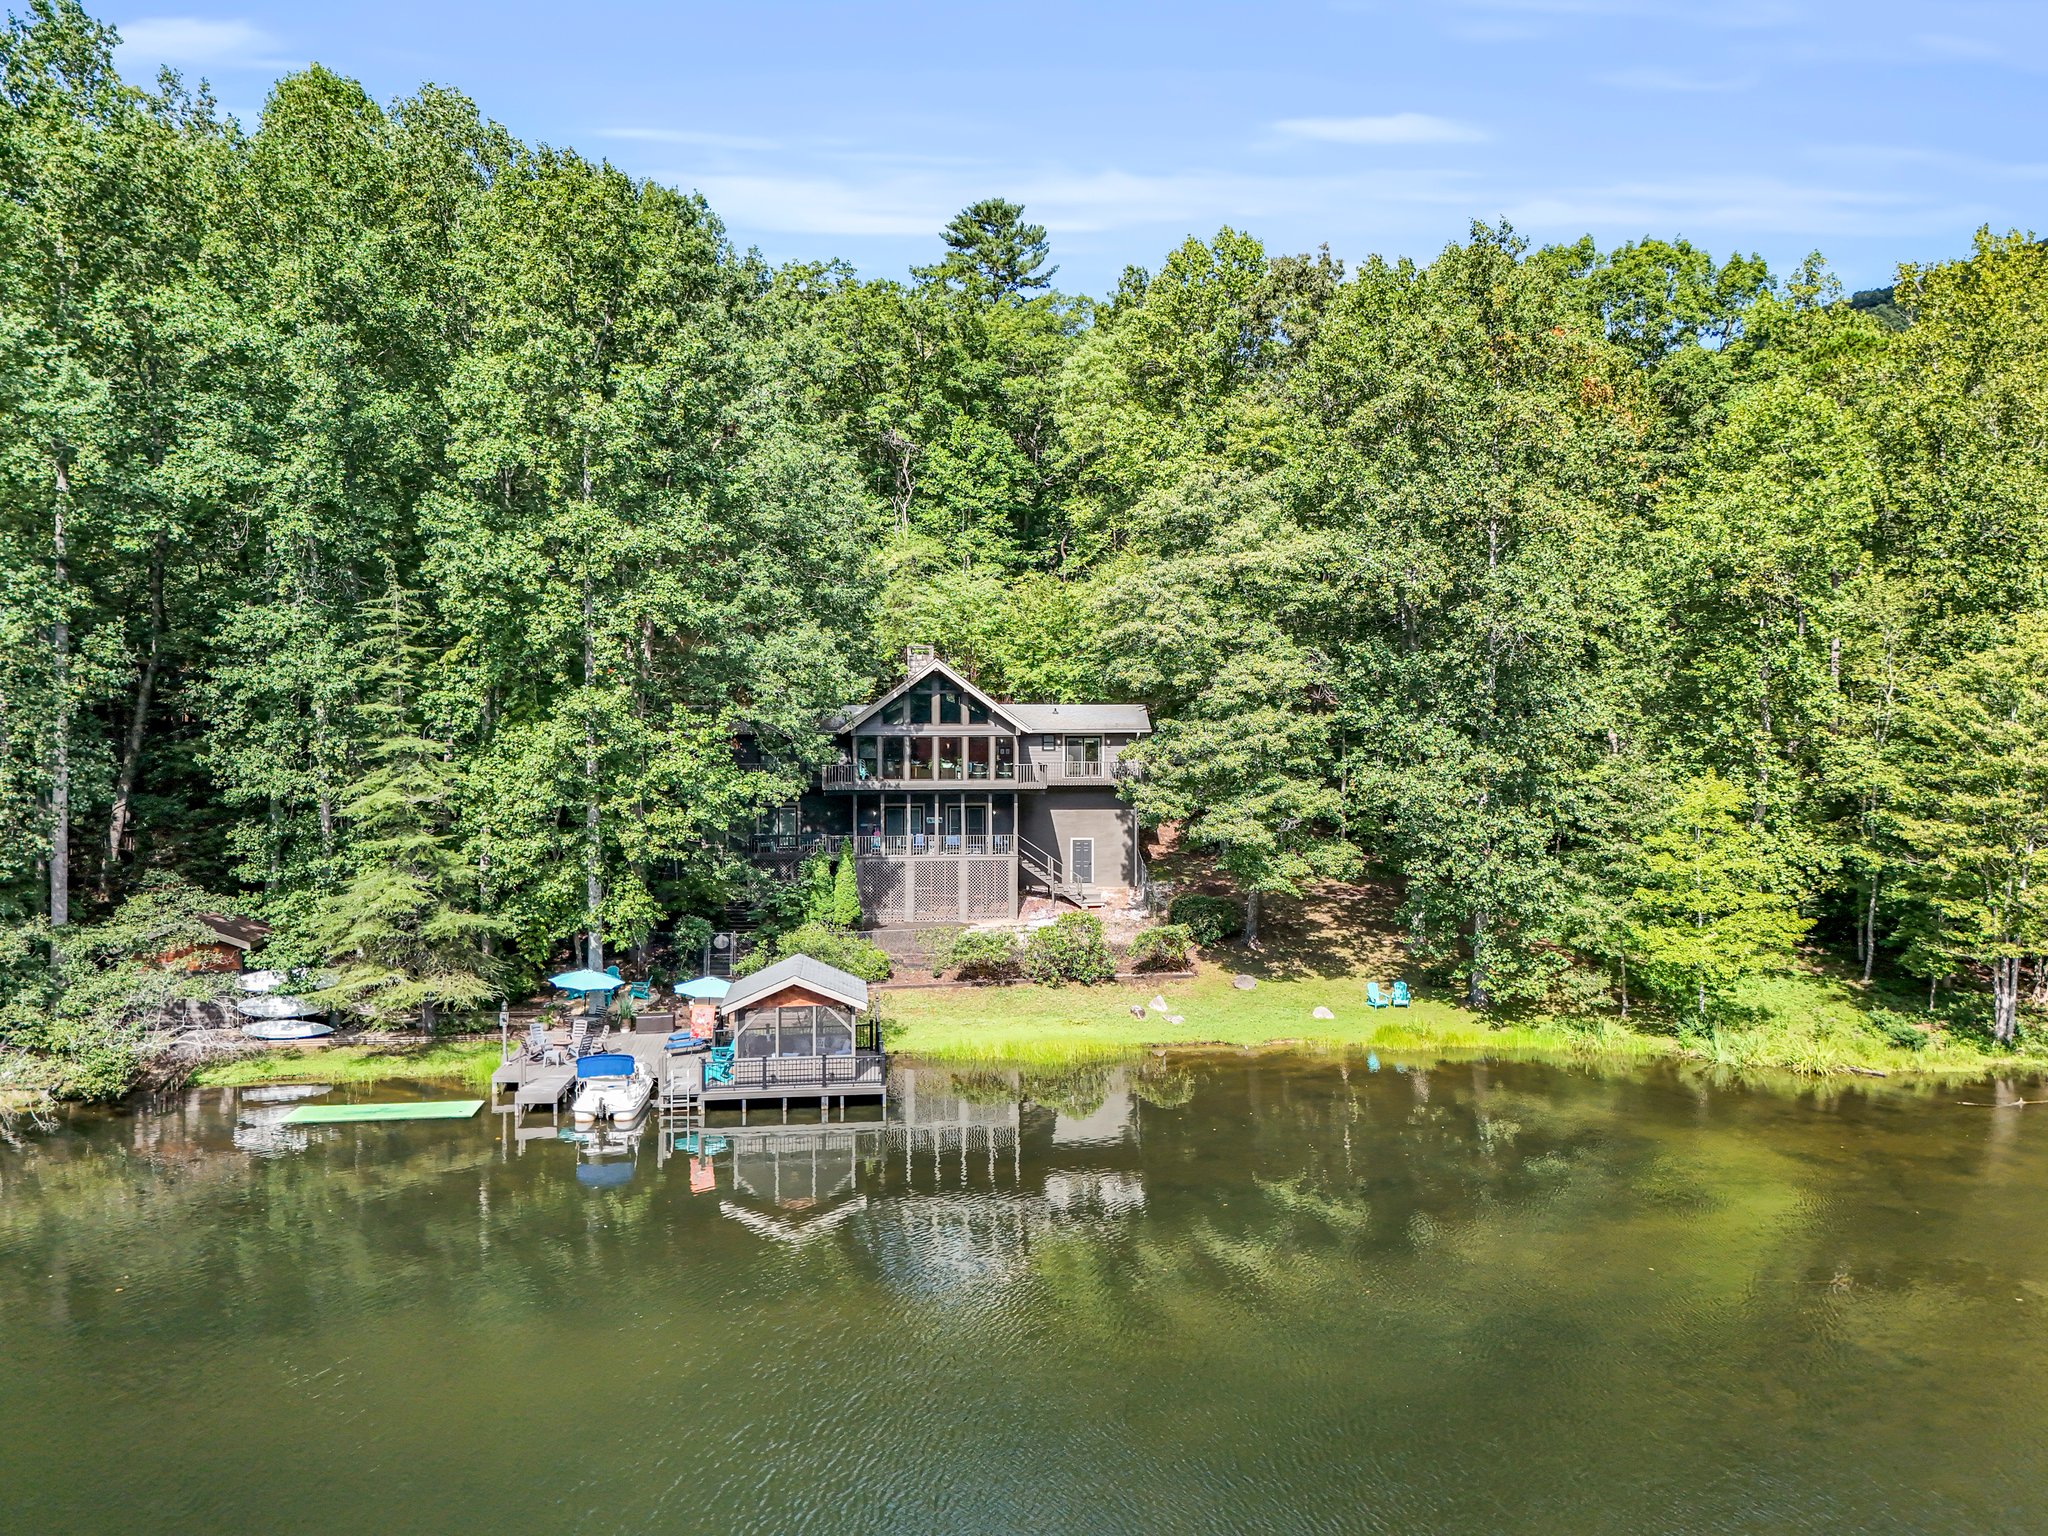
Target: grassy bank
column 468, row 1060
column 1808, row 1023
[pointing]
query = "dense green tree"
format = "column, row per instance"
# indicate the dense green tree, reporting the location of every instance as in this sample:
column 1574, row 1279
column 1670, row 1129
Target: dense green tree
column 1707, row 909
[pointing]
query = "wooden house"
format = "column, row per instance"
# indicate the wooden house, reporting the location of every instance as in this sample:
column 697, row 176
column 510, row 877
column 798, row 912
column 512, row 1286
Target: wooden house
column 957, row 804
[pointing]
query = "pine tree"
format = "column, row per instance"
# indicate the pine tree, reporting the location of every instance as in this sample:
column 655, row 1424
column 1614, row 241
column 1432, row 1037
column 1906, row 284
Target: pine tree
column 845, row 908
column 401, row 930
column 991, row 253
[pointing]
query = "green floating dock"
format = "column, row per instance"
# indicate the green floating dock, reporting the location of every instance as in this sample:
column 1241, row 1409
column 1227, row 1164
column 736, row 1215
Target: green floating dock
column 420, row 1109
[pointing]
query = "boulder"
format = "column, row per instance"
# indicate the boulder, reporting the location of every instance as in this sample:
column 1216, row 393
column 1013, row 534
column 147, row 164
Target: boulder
column 1324, row 1013
column 1243, row 983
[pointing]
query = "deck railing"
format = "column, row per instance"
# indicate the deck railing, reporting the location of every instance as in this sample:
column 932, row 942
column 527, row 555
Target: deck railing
column 795, row 1073
column 895, row 845
column 982, row 775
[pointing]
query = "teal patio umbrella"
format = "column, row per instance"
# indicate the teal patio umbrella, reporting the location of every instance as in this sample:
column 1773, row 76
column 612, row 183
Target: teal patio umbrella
column 708, row 987
column 585, row 981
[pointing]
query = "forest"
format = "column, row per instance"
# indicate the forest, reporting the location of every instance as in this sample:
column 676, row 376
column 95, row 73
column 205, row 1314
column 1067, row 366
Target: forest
column 401, row 521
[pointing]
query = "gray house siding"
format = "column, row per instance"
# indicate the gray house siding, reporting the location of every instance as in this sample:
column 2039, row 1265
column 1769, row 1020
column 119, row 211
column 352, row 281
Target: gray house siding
column 1055, row 818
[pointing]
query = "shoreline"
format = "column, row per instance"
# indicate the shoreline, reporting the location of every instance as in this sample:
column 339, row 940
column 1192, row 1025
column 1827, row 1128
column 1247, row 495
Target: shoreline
column 1038, row 1026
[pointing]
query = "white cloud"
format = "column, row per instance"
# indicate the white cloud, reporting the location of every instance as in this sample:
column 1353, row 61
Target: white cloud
column 916, row 201
column 1393, row 128
column 196, row 42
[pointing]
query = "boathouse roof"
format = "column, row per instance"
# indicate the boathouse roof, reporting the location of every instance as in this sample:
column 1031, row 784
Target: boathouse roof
column 797, row 971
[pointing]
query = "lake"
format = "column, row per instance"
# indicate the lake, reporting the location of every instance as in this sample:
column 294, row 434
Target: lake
column 1212, row 1295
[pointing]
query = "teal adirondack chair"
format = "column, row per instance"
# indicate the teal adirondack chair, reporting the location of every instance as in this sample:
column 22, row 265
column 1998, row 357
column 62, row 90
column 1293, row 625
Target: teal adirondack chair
column 640, row 991
column 1400, row 994
column 718, row 1066
column 1374, row 998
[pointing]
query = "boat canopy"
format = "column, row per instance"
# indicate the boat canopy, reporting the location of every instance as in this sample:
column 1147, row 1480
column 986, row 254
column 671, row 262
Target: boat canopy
column 608, row 1064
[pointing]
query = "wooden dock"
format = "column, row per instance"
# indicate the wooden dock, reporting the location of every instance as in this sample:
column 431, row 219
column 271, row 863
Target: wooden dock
column 682, row 1095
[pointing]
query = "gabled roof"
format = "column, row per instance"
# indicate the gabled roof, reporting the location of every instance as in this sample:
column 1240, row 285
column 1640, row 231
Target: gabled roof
column 847, row 719
column 801, row 971
column 1134, row 718
column 1027, row 718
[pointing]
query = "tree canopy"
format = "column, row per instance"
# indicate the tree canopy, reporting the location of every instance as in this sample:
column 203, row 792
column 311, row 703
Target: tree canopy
column 402, row 522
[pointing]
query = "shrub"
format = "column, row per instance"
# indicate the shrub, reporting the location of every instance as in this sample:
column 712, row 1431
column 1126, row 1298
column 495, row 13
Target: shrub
column 981, row 956
column 1169, row 947
column 1900, row 1029
column 1208, row 919
column 1070, row 949
column 816, row 883
column 848, row 951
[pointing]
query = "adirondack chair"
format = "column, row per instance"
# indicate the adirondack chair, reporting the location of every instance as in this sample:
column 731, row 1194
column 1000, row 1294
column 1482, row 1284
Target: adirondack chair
column 579, row 1034
column 1374, row 998
column 1400, row 994
column 641, row 991
column 536, row 1041
column 718, row 1064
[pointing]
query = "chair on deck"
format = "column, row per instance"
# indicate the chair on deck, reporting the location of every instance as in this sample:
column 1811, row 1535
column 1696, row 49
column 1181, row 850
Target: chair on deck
column 718, row 1065
column 536, row 1040
column 1374, row 997
column 640, row 991
column 1400, row 994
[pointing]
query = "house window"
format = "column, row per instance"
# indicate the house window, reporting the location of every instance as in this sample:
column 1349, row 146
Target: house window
column 1006, row 757
column 949, row 757
column 892, row 757
column 921, row 757
column 1084, row 757
column 977, row 712
column 1081, row 863
column 892, row 712
column 977, row 757
column 949, row 706
column 867, row 758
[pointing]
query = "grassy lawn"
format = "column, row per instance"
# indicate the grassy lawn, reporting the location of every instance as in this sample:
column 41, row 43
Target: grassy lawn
column 1053, row 1024
column 470, row 1060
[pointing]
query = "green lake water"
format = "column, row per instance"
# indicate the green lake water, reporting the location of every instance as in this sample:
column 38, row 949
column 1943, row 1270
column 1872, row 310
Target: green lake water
column 1288, row 1295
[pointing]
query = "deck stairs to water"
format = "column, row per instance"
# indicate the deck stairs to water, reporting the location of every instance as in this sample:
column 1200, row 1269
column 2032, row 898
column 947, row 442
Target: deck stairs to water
column 682, row 1094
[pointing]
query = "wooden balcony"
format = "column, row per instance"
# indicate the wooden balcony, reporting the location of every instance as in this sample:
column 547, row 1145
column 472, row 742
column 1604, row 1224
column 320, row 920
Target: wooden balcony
column 852, row 777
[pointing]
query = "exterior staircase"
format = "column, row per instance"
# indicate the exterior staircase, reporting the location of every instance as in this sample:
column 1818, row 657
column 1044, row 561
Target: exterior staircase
column 1044, row 866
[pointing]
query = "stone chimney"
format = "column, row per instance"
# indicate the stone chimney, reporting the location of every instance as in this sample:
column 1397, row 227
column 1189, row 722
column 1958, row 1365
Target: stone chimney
column 918, row 659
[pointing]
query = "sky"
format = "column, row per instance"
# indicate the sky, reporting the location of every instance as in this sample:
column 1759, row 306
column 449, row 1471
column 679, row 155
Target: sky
column 1876, row 133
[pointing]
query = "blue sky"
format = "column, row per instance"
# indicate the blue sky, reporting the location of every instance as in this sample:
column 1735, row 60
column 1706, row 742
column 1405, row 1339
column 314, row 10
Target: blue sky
column 1877, row 132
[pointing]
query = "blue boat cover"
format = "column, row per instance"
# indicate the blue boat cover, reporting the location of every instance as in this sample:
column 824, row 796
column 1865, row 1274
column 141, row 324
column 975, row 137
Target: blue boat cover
column 611, row 1064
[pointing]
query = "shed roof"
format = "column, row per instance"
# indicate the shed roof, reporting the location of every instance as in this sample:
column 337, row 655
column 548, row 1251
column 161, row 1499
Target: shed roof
column 1081, row 717
column 242, row 932
column 798, row 971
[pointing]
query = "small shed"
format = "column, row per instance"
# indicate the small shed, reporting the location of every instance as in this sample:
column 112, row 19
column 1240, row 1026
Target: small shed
column 225, row 940
column 796, row 1007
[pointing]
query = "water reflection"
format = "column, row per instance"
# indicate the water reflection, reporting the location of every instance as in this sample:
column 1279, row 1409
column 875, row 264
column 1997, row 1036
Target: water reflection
column 1207, row 1295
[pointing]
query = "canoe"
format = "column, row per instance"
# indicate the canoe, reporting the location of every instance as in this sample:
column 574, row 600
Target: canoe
column 287, row 1029
column 276, row 1005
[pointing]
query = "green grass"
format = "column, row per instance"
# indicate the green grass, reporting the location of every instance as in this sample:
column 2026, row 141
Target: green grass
column 470, row 1061
column 1051, row 1025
